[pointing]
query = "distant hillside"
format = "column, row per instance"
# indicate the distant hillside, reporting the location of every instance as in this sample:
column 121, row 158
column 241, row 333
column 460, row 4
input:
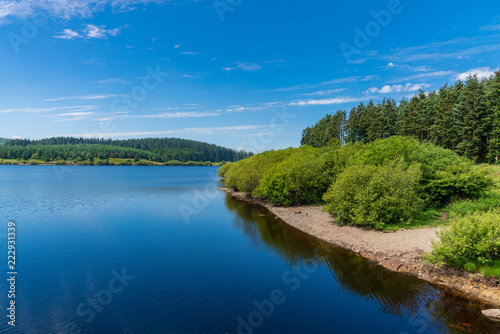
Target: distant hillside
column 152, row 149
column 3, row 140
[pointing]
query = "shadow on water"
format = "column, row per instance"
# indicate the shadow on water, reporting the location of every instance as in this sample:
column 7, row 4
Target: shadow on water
column 398, row 294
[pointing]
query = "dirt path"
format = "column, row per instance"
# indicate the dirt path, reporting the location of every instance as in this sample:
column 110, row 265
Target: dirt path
column 399, row 251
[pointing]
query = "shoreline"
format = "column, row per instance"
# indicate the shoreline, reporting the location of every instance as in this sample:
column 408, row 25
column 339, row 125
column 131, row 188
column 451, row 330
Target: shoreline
column 399, row 251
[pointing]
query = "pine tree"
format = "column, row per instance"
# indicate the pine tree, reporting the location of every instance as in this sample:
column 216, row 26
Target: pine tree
column 471, row 110
column 493, row 104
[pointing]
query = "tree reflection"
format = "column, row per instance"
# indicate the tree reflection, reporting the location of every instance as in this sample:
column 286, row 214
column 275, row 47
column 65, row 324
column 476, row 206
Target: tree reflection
column 398, row 294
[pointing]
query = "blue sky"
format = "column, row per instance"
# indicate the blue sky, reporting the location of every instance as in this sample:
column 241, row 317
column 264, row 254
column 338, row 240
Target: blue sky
column 238, row 73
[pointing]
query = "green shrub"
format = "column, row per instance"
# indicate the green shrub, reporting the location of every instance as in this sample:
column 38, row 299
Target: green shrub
column 470, row 266
column 245, row 175
column 474, row 238
column 457, row 182
column 373, row 196
column 296, row 180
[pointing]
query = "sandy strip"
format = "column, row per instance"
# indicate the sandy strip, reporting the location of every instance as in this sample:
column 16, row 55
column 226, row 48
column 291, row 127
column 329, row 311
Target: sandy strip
column 399, row 251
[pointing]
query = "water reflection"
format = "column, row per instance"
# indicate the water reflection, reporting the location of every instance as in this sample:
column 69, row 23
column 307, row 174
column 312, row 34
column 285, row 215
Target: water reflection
column 405, row 296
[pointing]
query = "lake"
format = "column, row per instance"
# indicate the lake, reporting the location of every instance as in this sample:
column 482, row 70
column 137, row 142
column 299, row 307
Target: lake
column 161, row 250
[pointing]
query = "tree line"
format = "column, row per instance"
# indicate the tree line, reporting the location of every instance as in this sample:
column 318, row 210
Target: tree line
column 153, row 149
column 463, row 117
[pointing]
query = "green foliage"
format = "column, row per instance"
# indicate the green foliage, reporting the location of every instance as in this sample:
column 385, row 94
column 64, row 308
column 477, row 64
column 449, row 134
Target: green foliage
column 374, row 196
column 296, row 180
column 464, row 118
column 152, row 149
column 457, row 182
column 491, row 269
column 470, row 266
column 474, row 238
column 246, row 174
column 489, row 201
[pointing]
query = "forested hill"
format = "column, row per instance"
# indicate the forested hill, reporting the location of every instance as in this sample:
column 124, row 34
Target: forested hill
column 3, row 140
column 464, row 117
column 152, row 149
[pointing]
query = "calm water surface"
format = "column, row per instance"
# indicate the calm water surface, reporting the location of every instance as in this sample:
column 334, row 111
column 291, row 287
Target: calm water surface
column 159, row 250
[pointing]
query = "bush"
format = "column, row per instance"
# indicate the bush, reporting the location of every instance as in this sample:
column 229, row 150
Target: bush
column 245, row 175
column 474, row 238
column 296, row 180
column 457, row 182
column 373, row 196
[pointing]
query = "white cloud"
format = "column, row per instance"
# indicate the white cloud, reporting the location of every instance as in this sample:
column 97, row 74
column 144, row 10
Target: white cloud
column 481, row 72
column 397, row 88
column 207, row 130
column 111, row 81
column 255, row 107
column 36, row 110
column 185, row 114
column 177, row 46
column 64, row 9
column 192, row 53
column 335, row 100
column 434, row 74
column 188, row 76
column 422, row 68
column 458, row 48
column 73, row 114
column 84, row 97
column 91, row 31
column 325, row 92
column 68, row 34
column 17, row 137
column 249, row 67
column 338, row 81
column 493, row 27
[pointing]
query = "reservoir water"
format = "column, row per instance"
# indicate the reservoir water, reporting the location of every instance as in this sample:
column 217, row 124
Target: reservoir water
column 161, row 250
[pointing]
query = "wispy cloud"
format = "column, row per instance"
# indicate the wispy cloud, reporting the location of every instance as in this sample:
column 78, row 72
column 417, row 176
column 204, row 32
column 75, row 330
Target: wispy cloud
column 249, row 67
column 40, row 110
column 338, row 81
column 188, row 76
column 324, row 92
column 321, row 102
column 91, row 31
column 255, row 107
column 68, row 34
column 84, row 97
column 192, row 53
column 205, row 131
column 435, row 74
column 492, row 27
column 397, row 88
column 185, row 114
column 458, row 48
column 423, row 68
column 111, row 81
column 65, row 9
column 481, row 72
